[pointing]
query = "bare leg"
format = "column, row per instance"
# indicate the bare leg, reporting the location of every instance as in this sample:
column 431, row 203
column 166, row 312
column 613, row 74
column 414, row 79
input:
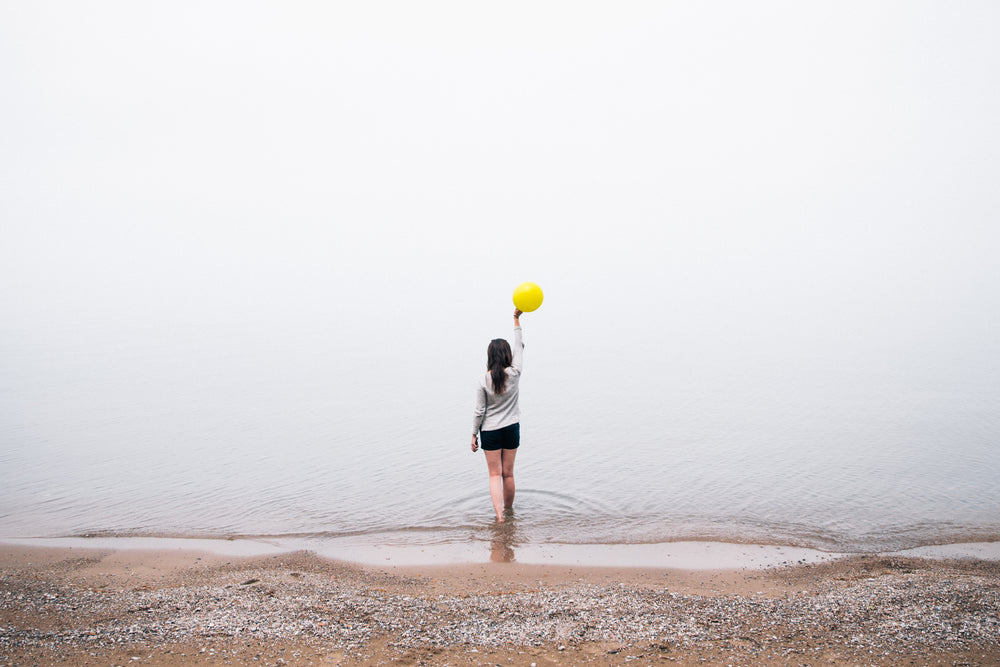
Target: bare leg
column 495, row 465
column 507, row 475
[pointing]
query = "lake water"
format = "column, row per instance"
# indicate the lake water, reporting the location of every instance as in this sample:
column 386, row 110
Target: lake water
column 629, row 435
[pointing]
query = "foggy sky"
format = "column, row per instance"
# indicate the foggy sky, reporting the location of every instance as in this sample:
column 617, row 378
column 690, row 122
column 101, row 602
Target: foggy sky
column 793, row 175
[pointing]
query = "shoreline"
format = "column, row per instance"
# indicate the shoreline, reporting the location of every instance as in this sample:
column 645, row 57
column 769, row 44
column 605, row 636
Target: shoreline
column 685, row 555
column 179, row 606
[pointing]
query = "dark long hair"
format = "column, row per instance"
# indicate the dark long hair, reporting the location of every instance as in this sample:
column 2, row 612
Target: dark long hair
column 498, row 357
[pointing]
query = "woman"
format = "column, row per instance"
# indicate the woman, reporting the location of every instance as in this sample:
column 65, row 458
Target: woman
column 497, row 416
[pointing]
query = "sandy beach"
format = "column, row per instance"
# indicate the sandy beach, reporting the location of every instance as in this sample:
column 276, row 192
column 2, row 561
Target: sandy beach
column 78, row 606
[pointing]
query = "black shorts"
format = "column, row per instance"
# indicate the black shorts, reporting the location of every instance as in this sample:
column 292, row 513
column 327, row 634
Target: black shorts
column 508, row 437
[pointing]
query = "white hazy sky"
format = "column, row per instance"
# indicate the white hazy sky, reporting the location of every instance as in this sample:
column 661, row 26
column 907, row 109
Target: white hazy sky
column 806, row 172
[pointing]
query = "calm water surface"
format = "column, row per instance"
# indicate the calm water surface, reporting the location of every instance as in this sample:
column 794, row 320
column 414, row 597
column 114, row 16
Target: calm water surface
column 312, row 435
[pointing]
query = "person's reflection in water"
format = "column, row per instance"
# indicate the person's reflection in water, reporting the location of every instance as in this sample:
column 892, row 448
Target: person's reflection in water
column 502, row 543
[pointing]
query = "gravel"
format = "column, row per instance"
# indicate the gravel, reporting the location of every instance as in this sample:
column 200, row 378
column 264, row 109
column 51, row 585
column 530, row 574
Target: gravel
column 872, row 604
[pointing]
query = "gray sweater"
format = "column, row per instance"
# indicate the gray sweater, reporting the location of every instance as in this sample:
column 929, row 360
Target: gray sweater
column 494, row 411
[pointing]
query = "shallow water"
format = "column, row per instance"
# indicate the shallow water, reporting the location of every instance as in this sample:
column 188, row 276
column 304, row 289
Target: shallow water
column 159, row 436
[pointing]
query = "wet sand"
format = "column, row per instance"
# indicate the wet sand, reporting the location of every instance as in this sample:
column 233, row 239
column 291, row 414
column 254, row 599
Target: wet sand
column 97, row 606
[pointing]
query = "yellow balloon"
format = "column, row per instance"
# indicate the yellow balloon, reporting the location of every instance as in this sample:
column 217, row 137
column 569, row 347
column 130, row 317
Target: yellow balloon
column 527, row 297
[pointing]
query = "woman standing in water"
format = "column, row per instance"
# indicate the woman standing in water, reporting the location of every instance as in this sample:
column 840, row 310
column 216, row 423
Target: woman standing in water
column 497, row 416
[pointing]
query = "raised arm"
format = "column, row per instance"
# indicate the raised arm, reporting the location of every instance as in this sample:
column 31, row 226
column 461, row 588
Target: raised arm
column 517, row 349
